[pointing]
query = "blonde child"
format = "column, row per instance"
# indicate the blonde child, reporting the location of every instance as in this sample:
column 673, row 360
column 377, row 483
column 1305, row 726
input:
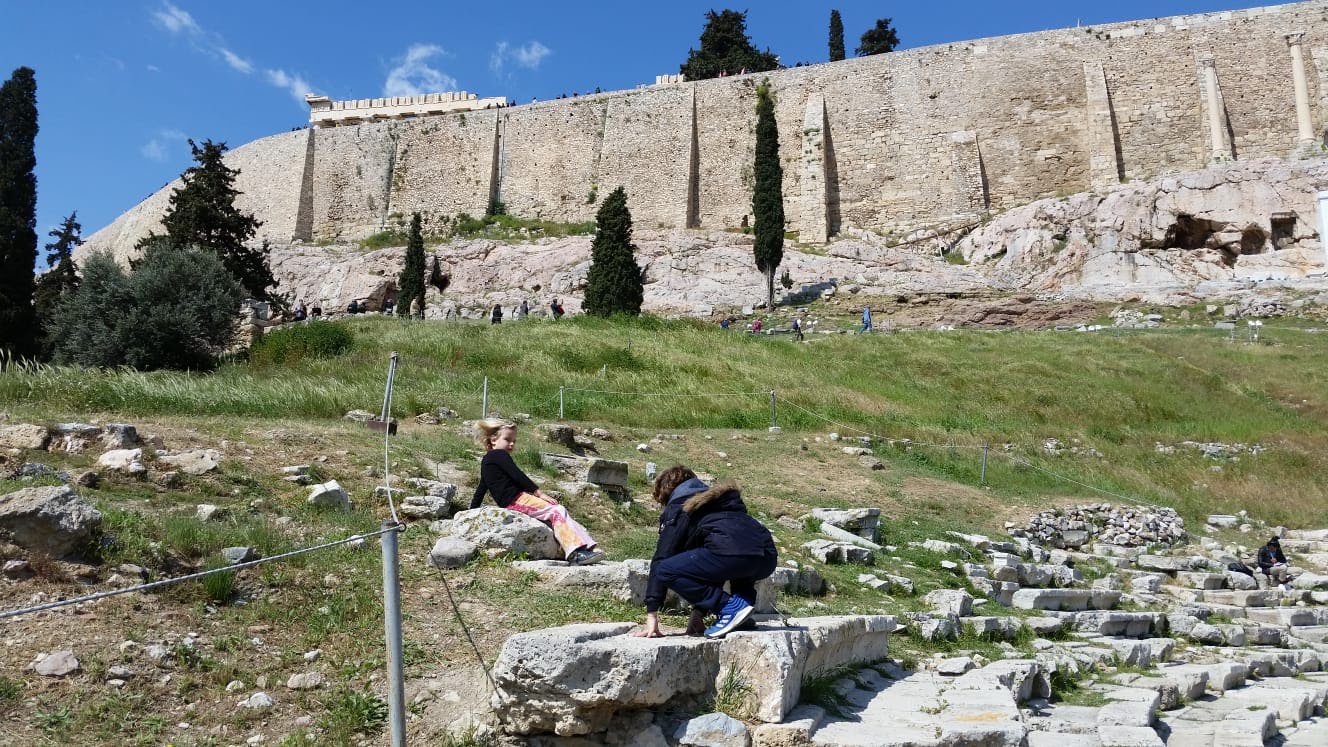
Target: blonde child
column 514, row 491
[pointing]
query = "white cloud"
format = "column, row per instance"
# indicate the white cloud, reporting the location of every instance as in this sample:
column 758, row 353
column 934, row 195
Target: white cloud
column 528, row 56
column 159, row 147
column 236, row 62
column 179, row 22
column 296, row 85
column 175, row 20
column 413, row 76
column 153, row 69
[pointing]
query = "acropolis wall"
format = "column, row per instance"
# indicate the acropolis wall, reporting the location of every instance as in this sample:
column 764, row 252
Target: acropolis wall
column 888, row 143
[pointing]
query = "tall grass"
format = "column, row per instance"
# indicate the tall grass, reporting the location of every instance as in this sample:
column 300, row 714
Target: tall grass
column 1121, row 395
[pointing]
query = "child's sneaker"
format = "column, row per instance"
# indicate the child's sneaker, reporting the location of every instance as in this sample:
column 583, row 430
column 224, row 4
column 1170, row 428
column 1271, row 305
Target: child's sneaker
column 734, row 613
column 585, row 556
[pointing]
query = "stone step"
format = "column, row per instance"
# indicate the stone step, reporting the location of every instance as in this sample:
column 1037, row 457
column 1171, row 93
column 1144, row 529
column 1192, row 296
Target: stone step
column 1304, row 546
column 1065, row 599
column 1129, row 736
column 1315, row 633
column 1293, row 616
column 1320, row 535
column 1061, row 739
column 1262, row 598
column 1119, row 624
column 1312, row 733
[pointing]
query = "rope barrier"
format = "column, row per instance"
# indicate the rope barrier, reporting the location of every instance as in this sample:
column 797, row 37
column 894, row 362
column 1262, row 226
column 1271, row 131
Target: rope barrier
column 673, row 394
column 887, row 439
column 479, row 657
column 1049, row 473
column 192, row 576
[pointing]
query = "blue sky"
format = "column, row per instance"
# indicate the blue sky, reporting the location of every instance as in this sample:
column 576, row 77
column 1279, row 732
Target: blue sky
column 122, row 83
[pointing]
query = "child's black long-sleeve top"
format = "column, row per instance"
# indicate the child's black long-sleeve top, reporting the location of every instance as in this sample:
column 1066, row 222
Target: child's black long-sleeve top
column 500, row 476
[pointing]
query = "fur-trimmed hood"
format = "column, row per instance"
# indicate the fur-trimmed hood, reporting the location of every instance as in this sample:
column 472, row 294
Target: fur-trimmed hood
column 707, row 495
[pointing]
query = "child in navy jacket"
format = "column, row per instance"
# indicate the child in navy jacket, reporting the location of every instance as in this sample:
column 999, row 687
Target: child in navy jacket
column 706, row 539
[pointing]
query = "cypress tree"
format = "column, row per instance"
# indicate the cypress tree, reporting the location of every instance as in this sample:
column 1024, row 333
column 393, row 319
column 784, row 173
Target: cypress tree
column 60, row 278
column 18, row 213
column 614, row 283
column 410, row 285
column 202, row 214
column 879, row 39
column 836, row 37
column 726, row 48
column 768, row 193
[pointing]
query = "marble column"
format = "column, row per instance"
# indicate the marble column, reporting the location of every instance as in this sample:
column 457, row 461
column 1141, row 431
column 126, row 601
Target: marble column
column 1304, row 125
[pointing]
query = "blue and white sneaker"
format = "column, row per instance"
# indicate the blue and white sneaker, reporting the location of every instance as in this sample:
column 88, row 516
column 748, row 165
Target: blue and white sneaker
column 732, row 615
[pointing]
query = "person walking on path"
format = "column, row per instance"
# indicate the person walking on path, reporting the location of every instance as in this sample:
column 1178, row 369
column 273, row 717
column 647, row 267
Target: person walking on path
column 706, row 539
column 797, row 329
column 556, row 309
column 514, row 491
column 497, row 316
column 523, row 310
column 866, row 320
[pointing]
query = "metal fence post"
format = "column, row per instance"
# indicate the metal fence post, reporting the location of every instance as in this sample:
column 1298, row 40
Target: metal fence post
column 985, row 447
column 774, row 422
column 396, row 684
column 561, row 391
column 484, row 401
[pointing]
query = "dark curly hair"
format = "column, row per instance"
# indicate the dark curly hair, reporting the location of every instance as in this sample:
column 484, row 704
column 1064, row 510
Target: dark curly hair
column 669, row 480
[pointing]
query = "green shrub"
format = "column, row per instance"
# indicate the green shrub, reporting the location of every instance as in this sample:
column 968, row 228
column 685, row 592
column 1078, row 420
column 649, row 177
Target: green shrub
column 10, row 691
column 289, row 346
column 349, row 712
column 383, row 239
column 220, row 587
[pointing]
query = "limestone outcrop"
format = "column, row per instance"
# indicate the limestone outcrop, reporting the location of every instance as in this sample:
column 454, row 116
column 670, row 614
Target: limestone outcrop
column 1180, row 238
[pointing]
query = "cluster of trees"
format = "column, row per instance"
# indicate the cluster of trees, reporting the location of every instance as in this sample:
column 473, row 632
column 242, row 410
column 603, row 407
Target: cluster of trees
column 727, row 49
column 175, row 307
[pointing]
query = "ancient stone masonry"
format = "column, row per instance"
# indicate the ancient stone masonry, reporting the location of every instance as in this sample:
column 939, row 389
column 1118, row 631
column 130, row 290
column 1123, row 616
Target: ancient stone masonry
column 889, row 143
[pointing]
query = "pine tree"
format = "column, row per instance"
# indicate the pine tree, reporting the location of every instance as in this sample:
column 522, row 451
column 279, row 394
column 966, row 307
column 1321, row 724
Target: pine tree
column 725, row 48
column 836, row 37
column 202, row 213
column 410, row 285
column 879, row 39
column 614, row 283
column 60, row 278
column 18, row 213
column 768, row 193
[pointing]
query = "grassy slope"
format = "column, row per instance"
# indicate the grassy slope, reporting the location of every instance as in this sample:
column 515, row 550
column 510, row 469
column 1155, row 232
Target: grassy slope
column 1119, row 395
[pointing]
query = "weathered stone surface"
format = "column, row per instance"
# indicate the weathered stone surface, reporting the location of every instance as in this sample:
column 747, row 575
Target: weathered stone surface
column 606, row 473
column 425, row 507
column 452, row 552
column 122, row 460
column 24, row 436
column 839, row 553
column 305, row 681
column 329, row 495
column 51, row 520
column 860, row 521
column 625, row 580
column 57, row 664
column 119, row 436
column 194, row 461
column 713, row 730
column 556, row 679
column 235, row 555
column 498, row 529
column 1064, row 599
column 950, row 602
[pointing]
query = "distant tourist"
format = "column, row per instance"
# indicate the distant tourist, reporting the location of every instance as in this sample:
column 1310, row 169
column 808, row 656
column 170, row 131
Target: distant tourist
column 299, row 313
column 556, row 309
column 388, row 305
column 797, row 328
column 725, row 323
column 756, row 326
column 523, row 310
column 706, row 540
column 353, row 307
column 1273, row 563
column 497, row 316
column 866, row 320
column 316, row 312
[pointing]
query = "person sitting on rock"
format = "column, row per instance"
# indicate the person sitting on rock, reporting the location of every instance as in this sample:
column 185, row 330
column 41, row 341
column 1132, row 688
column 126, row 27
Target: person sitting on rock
column 1273, row 563
column 706, row 539
column 514, row 491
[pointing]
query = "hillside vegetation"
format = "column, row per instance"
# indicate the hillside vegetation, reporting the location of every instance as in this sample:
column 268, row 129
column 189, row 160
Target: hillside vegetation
column 695, row 393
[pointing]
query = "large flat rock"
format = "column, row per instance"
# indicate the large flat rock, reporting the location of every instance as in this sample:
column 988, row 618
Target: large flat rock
column 574, row 680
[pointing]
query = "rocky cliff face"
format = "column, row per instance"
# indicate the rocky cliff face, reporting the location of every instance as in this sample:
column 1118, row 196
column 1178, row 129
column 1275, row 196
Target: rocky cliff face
column 1182, row 237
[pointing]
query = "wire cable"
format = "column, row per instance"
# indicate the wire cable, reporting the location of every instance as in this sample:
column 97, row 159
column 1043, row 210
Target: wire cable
column 190, row 577
column 1049, row 473
column 479, row 657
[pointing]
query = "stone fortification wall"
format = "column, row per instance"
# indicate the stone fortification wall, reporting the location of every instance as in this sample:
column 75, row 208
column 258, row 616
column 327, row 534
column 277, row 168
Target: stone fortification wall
column 932, row 136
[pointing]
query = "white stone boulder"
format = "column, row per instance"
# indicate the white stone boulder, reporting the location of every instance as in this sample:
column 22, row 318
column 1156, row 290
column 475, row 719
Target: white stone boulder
column 127, row 461
column 860, row 521
column 839, row 553
column 607, row 473
column 492, row 528
column 574, row 680
column 194, row 461
column 57, row 664
column 452, row 552
column 51, row 520
column 713, row 730
column 950, row 602
column 425, row 507
column 624, row 580
column 329, row 495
